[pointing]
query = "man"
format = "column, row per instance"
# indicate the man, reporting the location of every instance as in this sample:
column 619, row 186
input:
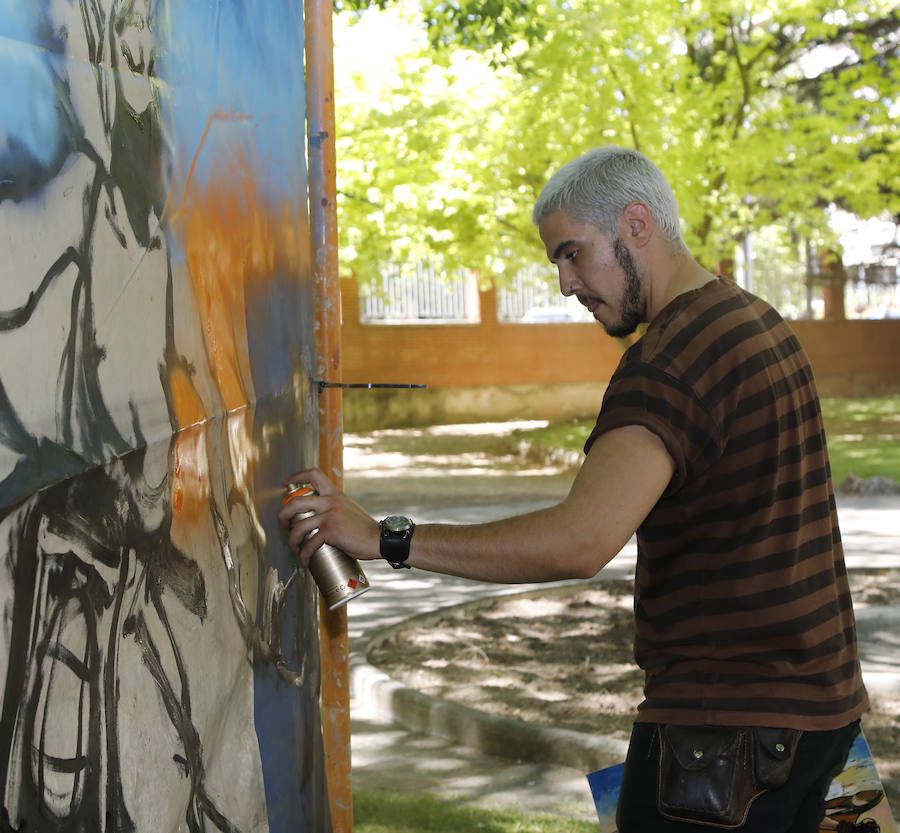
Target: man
column 710, row 446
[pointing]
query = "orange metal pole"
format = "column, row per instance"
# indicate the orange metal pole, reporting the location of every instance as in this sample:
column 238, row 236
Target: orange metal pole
column 323, row 229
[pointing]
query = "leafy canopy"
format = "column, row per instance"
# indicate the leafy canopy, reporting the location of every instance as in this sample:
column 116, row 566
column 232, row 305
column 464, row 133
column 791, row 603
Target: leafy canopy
column 758, row 112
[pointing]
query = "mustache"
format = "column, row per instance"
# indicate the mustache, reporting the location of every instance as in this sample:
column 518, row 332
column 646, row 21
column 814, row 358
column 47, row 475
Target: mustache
column 587, row 299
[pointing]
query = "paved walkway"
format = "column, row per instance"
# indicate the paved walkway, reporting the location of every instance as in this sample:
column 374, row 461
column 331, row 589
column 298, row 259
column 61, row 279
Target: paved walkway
column 448, row 474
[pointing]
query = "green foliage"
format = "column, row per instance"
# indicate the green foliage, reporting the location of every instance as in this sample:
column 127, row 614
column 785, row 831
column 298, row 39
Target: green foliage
column 489, row 26
column 382, row 812
column 758, row 115
column 411, row 169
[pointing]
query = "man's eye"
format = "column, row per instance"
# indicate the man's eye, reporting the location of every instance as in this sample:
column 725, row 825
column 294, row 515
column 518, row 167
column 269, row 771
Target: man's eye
column 573, row 254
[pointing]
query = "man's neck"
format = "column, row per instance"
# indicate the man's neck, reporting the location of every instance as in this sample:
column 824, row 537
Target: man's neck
column 680, row 274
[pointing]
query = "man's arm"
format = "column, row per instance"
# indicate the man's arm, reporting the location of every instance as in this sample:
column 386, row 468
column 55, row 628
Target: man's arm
column 622, row 478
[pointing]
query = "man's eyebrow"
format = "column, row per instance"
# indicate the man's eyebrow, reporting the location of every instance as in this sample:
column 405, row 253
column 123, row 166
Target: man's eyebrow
column 560, row 248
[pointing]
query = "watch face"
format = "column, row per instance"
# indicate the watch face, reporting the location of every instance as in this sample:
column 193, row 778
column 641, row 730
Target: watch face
column 397, row 523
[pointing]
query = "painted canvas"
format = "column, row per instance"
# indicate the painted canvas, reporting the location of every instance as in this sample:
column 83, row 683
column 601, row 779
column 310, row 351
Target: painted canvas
column 856, row 799
column 159, row 656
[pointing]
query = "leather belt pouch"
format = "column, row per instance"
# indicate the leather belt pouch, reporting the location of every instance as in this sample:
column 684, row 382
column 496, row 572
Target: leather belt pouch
column 711, row 775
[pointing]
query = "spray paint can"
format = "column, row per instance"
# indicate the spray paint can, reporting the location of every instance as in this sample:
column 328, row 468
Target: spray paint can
column 338, row 576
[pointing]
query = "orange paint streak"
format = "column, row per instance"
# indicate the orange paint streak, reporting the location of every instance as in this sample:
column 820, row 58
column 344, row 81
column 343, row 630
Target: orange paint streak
column 189, row 409
column 190, row 489
column 232, row 238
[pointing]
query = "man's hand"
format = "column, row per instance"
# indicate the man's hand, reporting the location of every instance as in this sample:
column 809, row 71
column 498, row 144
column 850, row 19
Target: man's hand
column 336, row 520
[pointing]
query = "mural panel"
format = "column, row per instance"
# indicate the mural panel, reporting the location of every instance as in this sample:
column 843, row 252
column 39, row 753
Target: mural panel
column 159, row 656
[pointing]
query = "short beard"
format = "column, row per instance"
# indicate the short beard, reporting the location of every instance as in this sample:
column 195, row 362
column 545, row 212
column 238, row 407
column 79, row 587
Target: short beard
column 634, row 307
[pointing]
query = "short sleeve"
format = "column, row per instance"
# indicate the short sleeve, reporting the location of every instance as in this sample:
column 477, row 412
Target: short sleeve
column 641, row 394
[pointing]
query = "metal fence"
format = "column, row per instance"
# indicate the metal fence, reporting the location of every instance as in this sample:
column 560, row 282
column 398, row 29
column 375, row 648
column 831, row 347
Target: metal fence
column 422, row 295
column 531, row 289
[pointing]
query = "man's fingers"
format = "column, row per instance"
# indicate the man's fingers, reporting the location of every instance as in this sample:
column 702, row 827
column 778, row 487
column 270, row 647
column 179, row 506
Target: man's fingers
column 302, row 476
column 305, row 544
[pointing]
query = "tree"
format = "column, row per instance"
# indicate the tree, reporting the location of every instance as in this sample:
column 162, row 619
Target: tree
column 759, row 113
column 411, row 166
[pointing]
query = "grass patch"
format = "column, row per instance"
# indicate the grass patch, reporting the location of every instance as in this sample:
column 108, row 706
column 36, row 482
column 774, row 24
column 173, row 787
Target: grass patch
column 568, row 435
column 375, row 811
column 863, row 436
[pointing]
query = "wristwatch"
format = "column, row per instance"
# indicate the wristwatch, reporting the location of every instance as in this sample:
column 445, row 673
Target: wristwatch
column 396, row 533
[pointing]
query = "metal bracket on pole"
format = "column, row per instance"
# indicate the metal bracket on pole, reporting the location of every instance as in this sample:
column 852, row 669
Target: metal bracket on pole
column 365, row 385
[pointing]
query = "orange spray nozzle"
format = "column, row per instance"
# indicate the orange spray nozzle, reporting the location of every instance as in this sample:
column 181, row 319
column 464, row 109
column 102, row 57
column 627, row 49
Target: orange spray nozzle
column 293, row 490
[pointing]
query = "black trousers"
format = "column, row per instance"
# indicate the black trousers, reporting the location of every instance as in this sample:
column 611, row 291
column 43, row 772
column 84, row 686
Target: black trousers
column 797, row 807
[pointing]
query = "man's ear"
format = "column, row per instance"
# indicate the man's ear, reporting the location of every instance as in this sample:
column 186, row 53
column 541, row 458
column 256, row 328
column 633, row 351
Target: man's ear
column 637, row 224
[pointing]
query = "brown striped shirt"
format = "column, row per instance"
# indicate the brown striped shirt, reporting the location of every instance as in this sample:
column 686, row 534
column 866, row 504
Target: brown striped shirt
column 742, row 605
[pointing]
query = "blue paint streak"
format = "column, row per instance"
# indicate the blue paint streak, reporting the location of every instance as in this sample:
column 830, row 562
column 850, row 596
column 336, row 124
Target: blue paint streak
column 288, row 724
column 30, row 127
column 243, row 60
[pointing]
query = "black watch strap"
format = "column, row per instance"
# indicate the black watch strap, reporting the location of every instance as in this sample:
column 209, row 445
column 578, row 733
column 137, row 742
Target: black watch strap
column 396, row 535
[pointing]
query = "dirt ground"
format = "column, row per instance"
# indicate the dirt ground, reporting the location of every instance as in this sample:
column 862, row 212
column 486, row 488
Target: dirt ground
column 550, row 658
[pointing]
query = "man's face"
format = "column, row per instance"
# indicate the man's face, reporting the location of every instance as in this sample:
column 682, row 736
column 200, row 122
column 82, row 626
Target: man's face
column 599, row 271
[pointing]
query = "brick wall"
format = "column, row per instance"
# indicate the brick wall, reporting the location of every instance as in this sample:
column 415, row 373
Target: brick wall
column 499, row 370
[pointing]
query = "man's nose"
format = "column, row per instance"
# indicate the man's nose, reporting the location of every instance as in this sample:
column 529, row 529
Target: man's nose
column 568, row 281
